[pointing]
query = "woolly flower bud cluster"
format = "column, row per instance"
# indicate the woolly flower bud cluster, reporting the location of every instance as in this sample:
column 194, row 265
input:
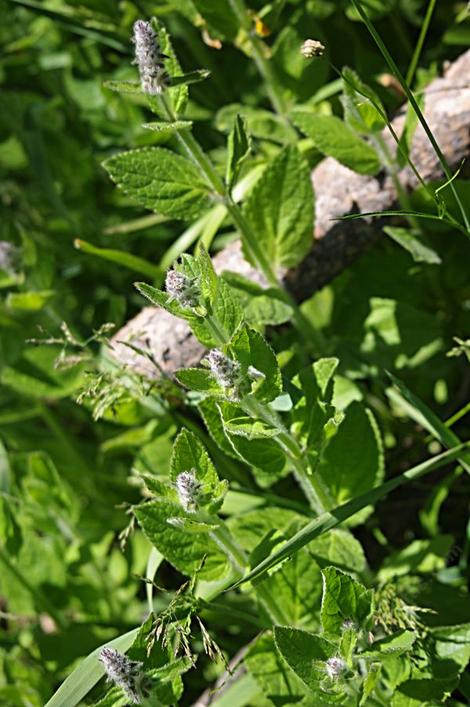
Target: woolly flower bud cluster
column 123, row 672
column 9, row 255
column 189, row 489
column 225, row 370
column 148, row 57
column 335, row 667
column 182, row 289
column 311, row 48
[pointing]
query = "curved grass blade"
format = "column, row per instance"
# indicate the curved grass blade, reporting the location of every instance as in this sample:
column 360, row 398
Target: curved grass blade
column 409, row 94
column 121, row 257
column 420, row 413
column 87, row 674
column 330, row 519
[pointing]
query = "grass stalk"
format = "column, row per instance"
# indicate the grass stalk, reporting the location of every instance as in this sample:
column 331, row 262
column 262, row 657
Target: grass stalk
column 409, row 94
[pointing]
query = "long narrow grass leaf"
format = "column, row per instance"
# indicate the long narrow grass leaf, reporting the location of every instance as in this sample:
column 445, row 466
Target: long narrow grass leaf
column 326, row 521
column 86, row 675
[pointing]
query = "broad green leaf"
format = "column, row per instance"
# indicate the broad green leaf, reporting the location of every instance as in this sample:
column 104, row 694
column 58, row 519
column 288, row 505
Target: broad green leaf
column 264, row 455
column 344, row 599
column 278, row 685
column 419, row 557
column 363, row 110
column 163, row 300
column 327, row 521
column 296, row 587
column 184, row 551
column 226, row 310
column 452, row 644
column 260, row 305
column 410, row 241
column 88, row 673
column 305, row 653
column 189, row 454
column 396, row 644
column 212, row 417
column 334, row 138
column 352, row 461
column 158, row 179
column 199, row 379
column 279, row 209
column 259, row 363
column 120, row 257
column 245, row 426
column 422, row 692
column 238, row 149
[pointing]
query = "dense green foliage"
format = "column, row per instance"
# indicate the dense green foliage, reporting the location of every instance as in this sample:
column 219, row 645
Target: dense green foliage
column 315, row 464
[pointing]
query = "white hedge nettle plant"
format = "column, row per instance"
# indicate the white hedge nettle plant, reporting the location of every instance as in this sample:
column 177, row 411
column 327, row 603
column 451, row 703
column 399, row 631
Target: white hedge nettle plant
column 264, row 416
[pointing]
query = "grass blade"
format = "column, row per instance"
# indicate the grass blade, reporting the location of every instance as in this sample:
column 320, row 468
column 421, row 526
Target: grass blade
column 330, row 519
column 87, row 674
column 121, row 257
column 396, row 71
column 421, row 414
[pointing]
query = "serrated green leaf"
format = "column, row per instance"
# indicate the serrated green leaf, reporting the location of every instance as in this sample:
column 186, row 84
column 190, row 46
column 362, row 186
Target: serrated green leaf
column 189, row 454
column 250, row 349
column 245, row 426
column 297, row 588
column 199, row 379
column 305, row 653
column 353, row 461
column 335, row 139
column 264, row 663
column 238, row 149
column 184, row 551
column 344, row 599
column 279, row 209
column 158, row 179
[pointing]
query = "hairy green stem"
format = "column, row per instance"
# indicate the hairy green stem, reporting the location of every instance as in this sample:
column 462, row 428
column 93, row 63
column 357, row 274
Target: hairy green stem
column 223, row 538
column 314, row 342
column 311, row 484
